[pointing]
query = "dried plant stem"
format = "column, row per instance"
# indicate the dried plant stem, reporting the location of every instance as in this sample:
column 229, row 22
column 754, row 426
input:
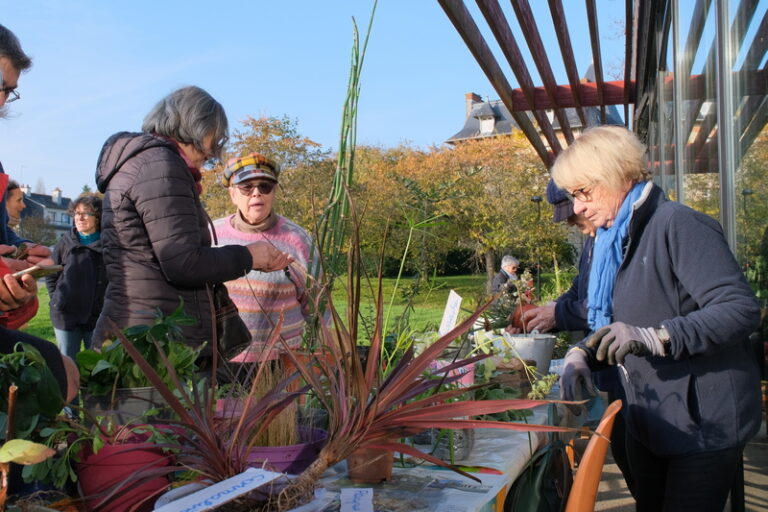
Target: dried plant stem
column 282, row 431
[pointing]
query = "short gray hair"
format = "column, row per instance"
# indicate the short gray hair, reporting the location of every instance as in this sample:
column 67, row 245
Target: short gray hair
column 509, row 260
column 189, row 115
column 11, row 48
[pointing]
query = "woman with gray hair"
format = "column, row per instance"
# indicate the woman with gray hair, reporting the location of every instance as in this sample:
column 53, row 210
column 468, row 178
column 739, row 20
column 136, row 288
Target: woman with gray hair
column 157, row 245
column 670, row 307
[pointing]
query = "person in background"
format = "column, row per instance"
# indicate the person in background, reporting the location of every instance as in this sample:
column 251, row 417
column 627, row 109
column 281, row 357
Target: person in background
column 13, row 61
column 14, row 204
column 262, row 297
column 77, row 293
column 678, row 332
column 18, row 296
column 569, row 311
column 508, row 272
column 154, row 230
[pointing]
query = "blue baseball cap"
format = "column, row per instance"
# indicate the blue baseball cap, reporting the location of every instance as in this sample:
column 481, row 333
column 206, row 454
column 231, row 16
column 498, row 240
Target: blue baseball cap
column 558, row 198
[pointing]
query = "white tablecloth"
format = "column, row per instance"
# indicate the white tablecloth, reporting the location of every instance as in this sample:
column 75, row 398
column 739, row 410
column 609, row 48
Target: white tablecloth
column 431, row 489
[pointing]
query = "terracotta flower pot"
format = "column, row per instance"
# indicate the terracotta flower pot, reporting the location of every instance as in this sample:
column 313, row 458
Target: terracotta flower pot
column 98, row 473
column 370, row 465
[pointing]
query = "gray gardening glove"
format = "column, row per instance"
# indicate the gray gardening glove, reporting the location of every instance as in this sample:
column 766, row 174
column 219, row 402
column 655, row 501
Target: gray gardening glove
column 576, row 376
column 619, row 339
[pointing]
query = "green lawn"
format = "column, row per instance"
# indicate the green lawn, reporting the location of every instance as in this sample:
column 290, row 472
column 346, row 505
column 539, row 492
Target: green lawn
column 429, row 302
column 40, row 325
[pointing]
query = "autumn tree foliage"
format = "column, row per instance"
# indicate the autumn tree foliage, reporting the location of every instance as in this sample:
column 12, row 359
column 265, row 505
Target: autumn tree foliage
column 474, row 197
column 495, row 213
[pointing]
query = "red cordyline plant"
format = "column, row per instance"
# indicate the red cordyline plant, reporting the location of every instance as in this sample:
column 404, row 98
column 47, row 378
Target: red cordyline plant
column 373, row 407
column 367, row 406
column 211, row 445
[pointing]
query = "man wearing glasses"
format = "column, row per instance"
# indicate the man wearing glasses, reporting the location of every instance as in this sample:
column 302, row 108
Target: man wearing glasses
column 507, row 273
column 261, row 297
column 18, row 295
column 13, row 61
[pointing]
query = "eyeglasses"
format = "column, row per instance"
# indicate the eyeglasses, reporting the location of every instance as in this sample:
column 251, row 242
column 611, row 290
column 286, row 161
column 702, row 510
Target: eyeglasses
column 264, row 187
column 84, row 214
column 583, row 194
column 10, row 94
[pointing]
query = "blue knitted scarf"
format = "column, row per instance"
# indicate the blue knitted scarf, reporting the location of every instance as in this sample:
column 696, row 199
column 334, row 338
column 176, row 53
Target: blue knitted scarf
column 608, row 254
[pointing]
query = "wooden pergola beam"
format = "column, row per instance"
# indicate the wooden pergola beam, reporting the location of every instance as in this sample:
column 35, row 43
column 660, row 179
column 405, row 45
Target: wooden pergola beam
column 628, row 32
column 564, row 40
column 586, row 93
column 597, row 60
column 531, row 33
column 501, row 30
column 462, row 20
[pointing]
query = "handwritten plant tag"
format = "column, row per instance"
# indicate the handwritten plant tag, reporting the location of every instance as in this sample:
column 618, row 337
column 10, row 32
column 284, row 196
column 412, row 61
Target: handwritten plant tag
column 356, row 500
column 451, row 313
column 221, row 492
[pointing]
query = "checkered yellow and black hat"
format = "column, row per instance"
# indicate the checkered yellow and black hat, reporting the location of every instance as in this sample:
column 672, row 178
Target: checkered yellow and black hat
column 250, row 166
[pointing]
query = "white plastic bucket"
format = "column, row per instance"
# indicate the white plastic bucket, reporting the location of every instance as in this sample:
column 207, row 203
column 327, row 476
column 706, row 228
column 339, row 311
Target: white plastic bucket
column 538, row 347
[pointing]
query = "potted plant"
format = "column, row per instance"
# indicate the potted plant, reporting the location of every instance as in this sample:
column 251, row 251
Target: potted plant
column 18, row 451
column 35, row 406
column 39, row 398
column 113, row 384
column 115, row 465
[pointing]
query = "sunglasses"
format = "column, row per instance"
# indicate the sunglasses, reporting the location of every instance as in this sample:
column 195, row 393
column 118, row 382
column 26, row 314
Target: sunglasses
column 265, row 188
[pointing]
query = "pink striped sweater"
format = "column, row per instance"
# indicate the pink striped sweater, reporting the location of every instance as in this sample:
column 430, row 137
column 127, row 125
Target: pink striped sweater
column 262, row 296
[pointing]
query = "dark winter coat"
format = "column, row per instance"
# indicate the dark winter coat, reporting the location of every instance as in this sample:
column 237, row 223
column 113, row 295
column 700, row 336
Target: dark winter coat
column 157, row 245
column 500, row 280
column 571, row 307
column 77, row 292
column 678, row 272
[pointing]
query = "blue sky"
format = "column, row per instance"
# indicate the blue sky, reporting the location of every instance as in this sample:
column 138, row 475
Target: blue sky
column 99, row 66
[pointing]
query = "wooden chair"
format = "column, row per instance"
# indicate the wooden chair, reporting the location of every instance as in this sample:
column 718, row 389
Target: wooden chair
column 584, row 490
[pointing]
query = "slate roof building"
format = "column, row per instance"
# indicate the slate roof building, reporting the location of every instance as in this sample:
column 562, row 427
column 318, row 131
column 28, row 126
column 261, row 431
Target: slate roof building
column 492, row 118
column 54, row 208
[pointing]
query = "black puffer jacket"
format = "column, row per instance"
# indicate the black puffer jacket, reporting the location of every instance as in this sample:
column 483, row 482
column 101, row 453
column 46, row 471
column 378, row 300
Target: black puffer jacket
column 77, row 292
column 157, row 246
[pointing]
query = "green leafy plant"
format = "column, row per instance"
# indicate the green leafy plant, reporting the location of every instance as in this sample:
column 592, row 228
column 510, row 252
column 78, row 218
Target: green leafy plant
column 101, row 373
column 514, row 294
column 498, row 385
column 39, row 398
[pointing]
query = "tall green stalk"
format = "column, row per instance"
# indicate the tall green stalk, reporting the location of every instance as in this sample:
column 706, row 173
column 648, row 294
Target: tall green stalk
column 413, row 227
column 332, row 226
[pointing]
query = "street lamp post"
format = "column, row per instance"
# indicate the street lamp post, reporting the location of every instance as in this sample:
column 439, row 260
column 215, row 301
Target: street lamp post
column 537, row 200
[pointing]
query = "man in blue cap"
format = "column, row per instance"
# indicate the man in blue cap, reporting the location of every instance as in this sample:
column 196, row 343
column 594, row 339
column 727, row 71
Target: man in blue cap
column 569, row 311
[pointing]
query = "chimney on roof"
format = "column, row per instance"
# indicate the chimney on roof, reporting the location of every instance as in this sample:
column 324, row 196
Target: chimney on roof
column 56, row 195
column 470, row 99
column 26, row 189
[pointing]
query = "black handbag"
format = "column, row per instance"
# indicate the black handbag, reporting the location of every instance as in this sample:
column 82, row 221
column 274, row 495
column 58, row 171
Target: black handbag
column 231, row 334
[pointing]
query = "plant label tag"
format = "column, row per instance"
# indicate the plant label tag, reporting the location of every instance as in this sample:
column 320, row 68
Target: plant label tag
column 219, row 493
column 451, row 313
column 356, row 500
